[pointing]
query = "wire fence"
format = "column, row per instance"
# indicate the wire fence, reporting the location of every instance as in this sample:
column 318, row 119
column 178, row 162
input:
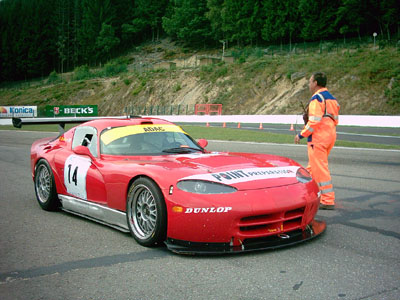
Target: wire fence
column 323, row 46
column 160, row 110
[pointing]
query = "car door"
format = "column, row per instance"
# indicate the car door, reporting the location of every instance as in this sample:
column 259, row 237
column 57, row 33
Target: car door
column 82, row 177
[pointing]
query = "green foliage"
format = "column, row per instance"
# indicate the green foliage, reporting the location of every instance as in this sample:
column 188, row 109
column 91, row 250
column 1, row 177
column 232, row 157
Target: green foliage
column 147, row 15
column 213, row 71
column 222, row 98
column 187, row 22
column 177, row 87
column 113, row 69
column 39, row 36
column 393, row 93
column 82, row 73
column 106, row 41
column 221, row 71
column 127, row 81
column 54, row 78
column 137, row 90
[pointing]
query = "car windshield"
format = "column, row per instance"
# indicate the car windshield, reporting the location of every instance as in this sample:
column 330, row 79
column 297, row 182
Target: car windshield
column 149, row 139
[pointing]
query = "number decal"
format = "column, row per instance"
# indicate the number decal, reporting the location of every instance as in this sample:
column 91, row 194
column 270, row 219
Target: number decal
column 74, row 175
column 75, row 172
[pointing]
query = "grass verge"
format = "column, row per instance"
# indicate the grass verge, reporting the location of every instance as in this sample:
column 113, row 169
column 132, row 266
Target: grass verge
column 230, row 134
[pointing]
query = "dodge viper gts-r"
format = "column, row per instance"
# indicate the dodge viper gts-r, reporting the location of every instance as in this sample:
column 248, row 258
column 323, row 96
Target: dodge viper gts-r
column 148, row 177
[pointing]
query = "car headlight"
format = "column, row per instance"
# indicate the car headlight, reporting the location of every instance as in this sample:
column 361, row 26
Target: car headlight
column 204, row 187
column 303, row 175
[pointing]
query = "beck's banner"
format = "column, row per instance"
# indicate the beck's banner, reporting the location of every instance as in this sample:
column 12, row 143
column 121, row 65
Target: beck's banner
column 18, row 111
column 71, row 111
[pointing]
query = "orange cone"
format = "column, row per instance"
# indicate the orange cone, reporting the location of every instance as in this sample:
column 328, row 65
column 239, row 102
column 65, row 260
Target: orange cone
column 224, row 125
column 207, row 125
column 291, row 127
column 239, row 125
column 261, row 127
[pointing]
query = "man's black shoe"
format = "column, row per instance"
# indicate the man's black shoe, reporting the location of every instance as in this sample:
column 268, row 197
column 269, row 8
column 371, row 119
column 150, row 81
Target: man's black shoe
column 326, row 207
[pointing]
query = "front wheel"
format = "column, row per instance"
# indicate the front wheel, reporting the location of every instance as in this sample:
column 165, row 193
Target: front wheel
column 146, row 212
column 45, row 187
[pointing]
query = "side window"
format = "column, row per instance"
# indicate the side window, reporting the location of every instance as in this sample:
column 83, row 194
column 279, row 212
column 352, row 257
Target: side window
column 86, row 136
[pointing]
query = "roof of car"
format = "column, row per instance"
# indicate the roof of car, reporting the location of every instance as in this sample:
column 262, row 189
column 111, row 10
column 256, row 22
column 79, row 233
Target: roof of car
column 101, row 124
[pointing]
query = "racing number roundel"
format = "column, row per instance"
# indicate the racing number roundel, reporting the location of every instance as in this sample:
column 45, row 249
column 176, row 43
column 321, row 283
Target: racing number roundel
column 75, row 171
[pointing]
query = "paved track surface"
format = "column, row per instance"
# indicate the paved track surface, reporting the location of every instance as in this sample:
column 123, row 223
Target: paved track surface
column 58, row 256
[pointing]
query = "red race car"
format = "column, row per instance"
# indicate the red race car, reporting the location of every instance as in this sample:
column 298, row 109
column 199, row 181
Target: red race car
column 148, row 177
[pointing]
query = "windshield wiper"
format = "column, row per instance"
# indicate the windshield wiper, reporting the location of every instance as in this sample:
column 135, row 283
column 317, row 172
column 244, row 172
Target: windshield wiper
column 182, row 150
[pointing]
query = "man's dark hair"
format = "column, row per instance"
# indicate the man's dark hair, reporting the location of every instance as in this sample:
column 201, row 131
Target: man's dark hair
column 320, row 78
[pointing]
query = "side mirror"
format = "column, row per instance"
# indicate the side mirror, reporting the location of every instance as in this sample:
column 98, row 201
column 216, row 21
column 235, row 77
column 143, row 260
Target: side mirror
column 202, row 143
column 82, row 150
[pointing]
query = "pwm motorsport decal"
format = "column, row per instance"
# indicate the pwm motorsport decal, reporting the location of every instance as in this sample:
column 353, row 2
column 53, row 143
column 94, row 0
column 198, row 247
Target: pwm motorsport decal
column 245, row 175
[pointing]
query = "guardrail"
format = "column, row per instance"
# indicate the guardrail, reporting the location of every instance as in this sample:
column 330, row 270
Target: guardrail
column 344, row 120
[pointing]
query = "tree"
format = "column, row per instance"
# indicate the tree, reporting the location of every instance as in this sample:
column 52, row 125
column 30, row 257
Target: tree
column 94, row 14
column 281, row 21
column 350, row 16
column 148, row 14
column 215, row 17
column 106, row 41
column 390, row 15
column 188, row 22
column 241, row 20
column 124, row 13
column 317, row 19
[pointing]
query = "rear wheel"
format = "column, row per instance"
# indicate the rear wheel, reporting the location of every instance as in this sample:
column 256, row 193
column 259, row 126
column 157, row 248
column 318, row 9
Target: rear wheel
column 146, row 212
column 45, row 187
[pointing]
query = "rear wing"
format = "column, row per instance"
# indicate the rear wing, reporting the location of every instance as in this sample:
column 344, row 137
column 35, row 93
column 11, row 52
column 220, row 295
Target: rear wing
column 18, row 122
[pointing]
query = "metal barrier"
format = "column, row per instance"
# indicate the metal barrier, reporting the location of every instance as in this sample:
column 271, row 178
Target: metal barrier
column 208, row 109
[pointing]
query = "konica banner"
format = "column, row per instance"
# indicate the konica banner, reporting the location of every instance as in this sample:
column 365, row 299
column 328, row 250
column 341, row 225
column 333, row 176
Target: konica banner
column 71, row 111
column 18, row 111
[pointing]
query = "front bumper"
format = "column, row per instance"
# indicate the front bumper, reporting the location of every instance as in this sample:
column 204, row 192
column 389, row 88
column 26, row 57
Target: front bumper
column 312, row 230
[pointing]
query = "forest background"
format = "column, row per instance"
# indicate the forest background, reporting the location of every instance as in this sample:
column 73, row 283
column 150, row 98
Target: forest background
column 41, row 36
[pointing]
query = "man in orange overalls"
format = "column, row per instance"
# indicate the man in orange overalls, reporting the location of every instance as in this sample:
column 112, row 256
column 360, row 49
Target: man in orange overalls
column 320, row 129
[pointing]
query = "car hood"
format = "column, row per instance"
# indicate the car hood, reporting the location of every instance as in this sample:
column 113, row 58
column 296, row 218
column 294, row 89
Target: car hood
column 241, row 170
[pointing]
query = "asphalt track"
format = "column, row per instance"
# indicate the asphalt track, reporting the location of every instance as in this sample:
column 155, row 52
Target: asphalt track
column 59, row 256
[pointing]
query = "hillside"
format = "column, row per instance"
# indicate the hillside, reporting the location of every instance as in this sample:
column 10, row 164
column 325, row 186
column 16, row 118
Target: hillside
column 365, row 81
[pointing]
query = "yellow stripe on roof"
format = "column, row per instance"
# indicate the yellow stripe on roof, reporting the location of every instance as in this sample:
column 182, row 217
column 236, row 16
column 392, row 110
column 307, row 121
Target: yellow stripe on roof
column 119, row 132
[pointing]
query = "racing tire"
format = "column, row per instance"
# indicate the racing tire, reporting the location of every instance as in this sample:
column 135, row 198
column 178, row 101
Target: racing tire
column 45, row 187
column 146, row 212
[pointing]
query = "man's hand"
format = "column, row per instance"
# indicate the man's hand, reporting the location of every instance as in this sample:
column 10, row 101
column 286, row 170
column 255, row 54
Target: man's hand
column 296, row 139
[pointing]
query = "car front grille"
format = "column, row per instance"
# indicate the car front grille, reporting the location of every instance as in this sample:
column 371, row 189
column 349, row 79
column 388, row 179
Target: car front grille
column 271, row 224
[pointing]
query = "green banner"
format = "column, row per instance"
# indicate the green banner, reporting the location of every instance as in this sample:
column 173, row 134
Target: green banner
column 71, row 111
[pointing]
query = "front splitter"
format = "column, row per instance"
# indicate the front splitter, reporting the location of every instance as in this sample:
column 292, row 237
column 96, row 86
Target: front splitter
column 314, row 229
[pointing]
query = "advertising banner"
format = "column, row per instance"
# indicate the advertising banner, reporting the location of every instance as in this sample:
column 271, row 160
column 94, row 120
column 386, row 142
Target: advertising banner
column 18, row 111
column 71, row 111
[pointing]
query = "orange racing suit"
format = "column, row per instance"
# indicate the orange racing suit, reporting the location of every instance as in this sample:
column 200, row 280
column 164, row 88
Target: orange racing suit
column 323, row 116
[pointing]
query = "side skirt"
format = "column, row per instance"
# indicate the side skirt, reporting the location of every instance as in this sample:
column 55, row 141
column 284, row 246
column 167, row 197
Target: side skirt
column 95, row 212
